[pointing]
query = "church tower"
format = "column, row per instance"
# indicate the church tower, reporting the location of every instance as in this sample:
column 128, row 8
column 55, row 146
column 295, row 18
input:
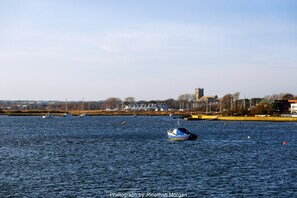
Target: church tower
column 199, row 92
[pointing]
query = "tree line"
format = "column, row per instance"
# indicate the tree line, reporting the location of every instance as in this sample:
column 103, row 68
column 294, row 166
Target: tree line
column 269, row 105
column 229, row 104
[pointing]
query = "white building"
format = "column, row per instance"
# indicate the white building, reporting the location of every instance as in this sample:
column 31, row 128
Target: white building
column 294, row 108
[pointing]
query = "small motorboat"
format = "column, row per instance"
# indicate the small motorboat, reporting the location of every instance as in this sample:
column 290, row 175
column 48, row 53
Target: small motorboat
column 83, row 115
column 66, row 115
column 48, row 115
column 180, row 134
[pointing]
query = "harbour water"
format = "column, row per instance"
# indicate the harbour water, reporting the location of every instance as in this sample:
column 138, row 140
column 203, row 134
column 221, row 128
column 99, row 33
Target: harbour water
column 104, row 157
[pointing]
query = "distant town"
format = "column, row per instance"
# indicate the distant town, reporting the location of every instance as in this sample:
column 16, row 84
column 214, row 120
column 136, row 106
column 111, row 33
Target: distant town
column 283, row 104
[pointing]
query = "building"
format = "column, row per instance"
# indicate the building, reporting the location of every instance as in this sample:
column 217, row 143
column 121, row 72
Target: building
column 293, row 106
column 209, row 99
column 199, row 92
column 146, row 107
column 205, row 103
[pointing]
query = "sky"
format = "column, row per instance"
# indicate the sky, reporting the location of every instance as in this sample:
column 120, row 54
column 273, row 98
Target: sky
column 146, row 49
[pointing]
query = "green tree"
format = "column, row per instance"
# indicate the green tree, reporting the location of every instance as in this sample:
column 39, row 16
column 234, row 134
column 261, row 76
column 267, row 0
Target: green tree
column 262, row 109
column 288, row 96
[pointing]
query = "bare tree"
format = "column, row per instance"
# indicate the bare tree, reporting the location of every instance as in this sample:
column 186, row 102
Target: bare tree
column 235, row 99
column 171, row 103
column 112, row 102
column 236, row 96
column 226, row 101
column 185, row 100
column 288, row 96
column 186, row 97
column 280, row 96
column 129, row 100
column 274, row 96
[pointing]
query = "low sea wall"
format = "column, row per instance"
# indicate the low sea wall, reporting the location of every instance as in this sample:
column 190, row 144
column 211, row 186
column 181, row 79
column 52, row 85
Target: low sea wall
column 243, row 118
column 266, row 119
column 174, row 114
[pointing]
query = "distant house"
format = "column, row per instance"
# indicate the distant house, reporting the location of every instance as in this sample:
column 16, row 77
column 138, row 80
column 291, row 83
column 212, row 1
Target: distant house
column 209, row 99
column 293, row 106
column 279, row 106
column 146, row 107
column 282, row 106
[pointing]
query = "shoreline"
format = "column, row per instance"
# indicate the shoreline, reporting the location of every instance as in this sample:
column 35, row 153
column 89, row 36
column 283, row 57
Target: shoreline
column 95, row 113
column 189, row 116
column 243, row 118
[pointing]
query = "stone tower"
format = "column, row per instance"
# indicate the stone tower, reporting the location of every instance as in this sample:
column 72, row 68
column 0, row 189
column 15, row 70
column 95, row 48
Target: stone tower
column 199, row 92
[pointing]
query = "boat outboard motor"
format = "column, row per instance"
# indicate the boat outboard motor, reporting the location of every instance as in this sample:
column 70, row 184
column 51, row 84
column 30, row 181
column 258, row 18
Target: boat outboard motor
column 191, row 135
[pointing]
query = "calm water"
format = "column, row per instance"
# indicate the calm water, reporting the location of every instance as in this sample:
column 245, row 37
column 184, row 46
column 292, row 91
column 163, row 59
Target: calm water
column 100, row 157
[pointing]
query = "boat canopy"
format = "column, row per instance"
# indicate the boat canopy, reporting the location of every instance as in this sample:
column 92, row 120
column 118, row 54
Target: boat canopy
column 183, row 130
column 180, row 131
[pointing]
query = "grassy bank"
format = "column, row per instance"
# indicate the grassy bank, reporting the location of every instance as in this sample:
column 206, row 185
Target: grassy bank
column 94, row 113
column 150, row 113
column 244, row 118
column 266, row 119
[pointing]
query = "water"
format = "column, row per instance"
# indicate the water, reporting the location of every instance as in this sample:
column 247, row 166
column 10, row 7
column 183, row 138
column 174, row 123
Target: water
column 101, row 157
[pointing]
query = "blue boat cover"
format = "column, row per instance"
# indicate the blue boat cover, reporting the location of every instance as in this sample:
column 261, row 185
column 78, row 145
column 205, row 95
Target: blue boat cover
column 179, row 131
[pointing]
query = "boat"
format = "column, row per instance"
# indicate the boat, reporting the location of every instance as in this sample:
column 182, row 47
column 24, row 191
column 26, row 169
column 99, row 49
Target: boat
column 176, row 116
column 66, row 115
column 180, row 134
column 202, row 117
column 83, row 115
column 82, row 108
column 48, row 115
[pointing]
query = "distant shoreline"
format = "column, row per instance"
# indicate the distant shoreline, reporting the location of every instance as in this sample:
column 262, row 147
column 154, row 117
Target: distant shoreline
column 94, row 113
column 243, row 118
column 175, row 114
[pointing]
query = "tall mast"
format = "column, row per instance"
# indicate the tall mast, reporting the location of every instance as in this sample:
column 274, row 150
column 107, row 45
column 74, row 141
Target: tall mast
column 49, row 106
column 244, row 101
column 83, row 104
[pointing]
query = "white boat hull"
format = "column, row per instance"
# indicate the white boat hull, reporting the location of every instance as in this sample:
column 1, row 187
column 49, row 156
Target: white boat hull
column 180, row 134
column 49, row 115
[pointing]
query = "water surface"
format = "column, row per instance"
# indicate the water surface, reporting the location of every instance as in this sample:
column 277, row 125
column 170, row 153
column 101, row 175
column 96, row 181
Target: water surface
column 99, row 156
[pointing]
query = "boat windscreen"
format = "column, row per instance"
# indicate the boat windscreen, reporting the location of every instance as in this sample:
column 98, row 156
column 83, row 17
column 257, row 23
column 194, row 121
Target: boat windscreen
column 184, row 130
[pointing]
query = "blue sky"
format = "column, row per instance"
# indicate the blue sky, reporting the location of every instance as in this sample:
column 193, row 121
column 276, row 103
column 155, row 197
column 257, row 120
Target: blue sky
column 156, row 49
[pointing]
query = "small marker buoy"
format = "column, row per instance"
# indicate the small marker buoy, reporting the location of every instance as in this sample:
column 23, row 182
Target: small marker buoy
column 285, row 143
column 248, row 137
